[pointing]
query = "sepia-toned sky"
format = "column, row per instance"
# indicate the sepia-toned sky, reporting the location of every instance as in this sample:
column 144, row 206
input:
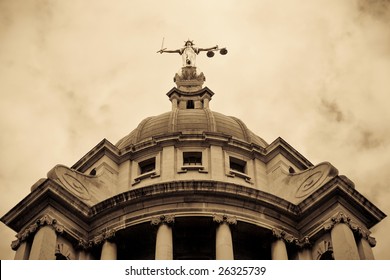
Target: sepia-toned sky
column 316, row 73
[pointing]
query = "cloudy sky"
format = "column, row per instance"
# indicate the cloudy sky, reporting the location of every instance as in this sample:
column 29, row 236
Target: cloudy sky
column 316, row 73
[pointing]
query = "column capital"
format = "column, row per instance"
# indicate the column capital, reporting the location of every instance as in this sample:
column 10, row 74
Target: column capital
column 364, row 234
column 303, row 243
column 82, row 244
column 163, row 219
column 223, row 218
column 106, row 234
column 341, row 217
column 45, row 220
column 283, row 235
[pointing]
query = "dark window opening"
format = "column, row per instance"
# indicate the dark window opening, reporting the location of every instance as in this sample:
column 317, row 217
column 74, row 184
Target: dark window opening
column 190, row 104
column 237, row 164
column 291, row 170
column 93, row 172
column 192, row 158
column 147, row 165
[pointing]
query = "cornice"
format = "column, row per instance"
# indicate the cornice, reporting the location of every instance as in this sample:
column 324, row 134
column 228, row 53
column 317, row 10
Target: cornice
column 210, row 189
column 48, row 194
column 103, row 148
column 338, row 187
column 280, row 146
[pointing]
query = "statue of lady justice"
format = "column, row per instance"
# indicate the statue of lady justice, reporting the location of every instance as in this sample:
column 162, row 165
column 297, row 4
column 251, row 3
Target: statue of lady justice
column 188, row 53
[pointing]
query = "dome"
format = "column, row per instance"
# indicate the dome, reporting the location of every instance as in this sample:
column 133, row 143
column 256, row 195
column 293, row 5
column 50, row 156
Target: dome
column 193, row 121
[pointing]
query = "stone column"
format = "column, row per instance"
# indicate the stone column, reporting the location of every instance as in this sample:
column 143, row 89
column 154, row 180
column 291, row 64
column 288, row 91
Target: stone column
column 304, row 252
column 44, row 244
column 164, row 239
column 23, row 251
column 223, row 238
column 364, row 246
column 109, row 248
column 343, row 240
column 109, row 251
column 45, row 239
column 278, row 246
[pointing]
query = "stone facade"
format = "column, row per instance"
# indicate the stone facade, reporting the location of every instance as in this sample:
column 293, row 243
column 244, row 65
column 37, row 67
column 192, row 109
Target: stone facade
column 193, row 184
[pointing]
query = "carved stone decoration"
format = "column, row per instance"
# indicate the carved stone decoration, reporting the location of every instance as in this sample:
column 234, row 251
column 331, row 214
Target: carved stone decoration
column 81, row 244
column 223, row 218
column 188, row 79
column 314, row 178
column 297, row 186
column 340, row 217
column 281, row 234
column 303, row 242
column 71, row 181
column 107, row 234
column 63, row 251
column 371, row 240
column 91, row 189
column 33, row 228
column 166, row 219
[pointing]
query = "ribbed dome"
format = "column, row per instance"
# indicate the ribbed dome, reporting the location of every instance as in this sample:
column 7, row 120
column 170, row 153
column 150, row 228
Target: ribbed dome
column 190, row 121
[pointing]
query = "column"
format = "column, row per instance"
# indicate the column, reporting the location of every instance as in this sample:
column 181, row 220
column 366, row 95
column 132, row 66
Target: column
column 109, row 248
column 223, row 238
column 109, row 251
column 23, row 251
column 44, row 244
column 278, row 246
column 164, row 239
column 364, row 248
column 304, row 252
column 344, row 244
column 279, row 250
column 343, row 240
column 83, row 255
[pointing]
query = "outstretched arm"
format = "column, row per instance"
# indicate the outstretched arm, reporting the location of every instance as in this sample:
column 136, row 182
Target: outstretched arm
column 207, row 49
column 169, row 51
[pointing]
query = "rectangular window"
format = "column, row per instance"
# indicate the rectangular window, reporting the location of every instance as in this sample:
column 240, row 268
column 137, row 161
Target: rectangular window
column 147, row 165
column 237, row 164
column 192, row 158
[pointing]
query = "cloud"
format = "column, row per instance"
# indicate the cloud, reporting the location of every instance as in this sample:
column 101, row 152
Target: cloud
column 331, row 110
column 377, row 9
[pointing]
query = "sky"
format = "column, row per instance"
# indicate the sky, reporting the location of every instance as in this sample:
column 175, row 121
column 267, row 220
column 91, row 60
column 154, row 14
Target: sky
column 315, row 73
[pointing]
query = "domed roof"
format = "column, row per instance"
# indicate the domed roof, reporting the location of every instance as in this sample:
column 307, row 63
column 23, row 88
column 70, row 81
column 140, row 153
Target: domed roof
column 192, row 121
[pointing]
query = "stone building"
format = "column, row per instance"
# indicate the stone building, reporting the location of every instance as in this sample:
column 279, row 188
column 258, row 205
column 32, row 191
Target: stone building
column 193, row 184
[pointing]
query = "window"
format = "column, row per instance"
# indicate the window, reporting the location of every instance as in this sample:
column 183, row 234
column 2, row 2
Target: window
column 147, row 165
column 190, row 104
column 237, row 164
column 192, row 158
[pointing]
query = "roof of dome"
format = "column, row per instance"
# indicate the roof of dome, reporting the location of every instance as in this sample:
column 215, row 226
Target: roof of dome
column 190, row 121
